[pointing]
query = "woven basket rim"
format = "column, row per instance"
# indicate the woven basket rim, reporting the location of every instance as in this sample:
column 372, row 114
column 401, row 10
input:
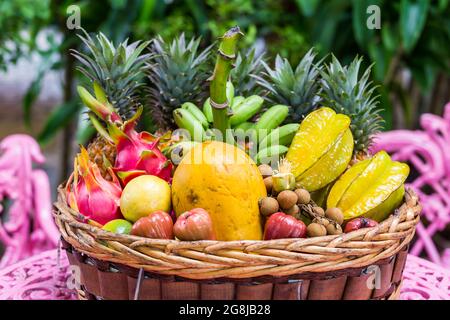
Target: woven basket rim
column 244, row 258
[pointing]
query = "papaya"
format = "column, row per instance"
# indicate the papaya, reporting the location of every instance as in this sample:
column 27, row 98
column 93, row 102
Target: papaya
column 225, row 181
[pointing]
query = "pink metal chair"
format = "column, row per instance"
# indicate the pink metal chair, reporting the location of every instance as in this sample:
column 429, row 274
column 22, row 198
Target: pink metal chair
column 428, row 153
column 26, row 223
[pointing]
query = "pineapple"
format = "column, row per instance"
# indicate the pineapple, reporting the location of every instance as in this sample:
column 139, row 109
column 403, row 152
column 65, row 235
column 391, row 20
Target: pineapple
column 120, row 73
column 178, row 74
column 103, row 153
column 297, row 89
column 247, row 66
column 119, row 70
column 344, row 92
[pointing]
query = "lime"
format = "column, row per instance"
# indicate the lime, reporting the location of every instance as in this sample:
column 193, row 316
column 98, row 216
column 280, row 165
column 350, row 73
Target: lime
column 119, row 226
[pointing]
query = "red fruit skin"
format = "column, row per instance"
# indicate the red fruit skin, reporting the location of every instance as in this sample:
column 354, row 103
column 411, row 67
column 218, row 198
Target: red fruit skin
column 158, row 225
column 281, row 226
column 193, row 225
column 359, row 223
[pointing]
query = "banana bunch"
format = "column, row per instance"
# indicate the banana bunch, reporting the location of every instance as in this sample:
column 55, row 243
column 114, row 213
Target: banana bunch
column 255, row 130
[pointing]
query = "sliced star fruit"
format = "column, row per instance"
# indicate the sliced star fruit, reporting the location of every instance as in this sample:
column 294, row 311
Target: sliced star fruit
column 372, row 188
column 321, row 149
column 330, row 166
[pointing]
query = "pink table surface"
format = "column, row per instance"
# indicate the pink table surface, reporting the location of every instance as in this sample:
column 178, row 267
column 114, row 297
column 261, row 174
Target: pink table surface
column 48, row 276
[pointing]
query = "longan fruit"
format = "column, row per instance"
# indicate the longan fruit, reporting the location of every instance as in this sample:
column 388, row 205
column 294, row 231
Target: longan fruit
column 316, row 230
column 333, row 229
column 265, row 170
column 287, row 199
column 268, row 206
column 335, row 214
column 319, row 211
column 304, row 197
column 268, row 182
column 293, row 211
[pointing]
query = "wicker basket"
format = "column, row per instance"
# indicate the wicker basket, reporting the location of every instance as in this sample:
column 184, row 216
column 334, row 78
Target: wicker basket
column 336, row 267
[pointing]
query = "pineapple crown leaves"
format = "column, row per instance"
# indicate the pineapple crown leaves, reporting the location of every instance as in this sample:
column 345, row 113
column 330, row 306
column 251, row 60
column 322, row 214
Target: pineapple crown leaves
column 345, row 92
column 246, row 67
column 119, row 70
column 296, row 88
column 177, row 74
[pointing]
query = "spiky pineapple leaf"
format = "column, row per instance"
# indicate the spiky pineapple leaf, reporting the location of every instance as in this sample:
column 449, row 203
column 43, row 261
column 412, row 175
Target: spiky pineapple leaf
column 119, row 70
column 346, row 92
column 297, row 88
column 177, row 74
column 248, row 64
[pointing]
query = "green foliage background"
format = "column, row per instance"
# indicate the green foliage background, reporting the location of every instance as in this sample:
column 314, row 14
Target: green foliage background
column 414, row 40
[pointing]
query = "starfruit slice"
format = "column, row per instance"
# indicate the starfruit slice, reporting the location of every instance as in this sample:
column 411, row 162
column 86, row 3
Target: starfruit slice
column 329, row 166
column 371, row 188
column 321, row 148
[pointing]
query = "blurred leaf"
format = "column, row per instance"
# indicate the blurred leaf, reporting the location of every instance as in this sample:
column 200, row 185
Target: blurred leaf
column 413, row 14
column 363, row 35
column 387, row 110
column 58, row 118
column 389, row 38
column 424, row 74
column 199, row 12
column 308, row 7
column 442, row 5
column 381, row 58
column 85, row 133
column 31, row 95
column 405, row 103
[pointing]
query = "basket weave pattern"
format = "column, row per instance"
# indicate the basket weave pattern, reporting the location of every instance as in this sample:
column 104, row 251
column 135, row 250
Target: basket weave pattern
column 243, row 259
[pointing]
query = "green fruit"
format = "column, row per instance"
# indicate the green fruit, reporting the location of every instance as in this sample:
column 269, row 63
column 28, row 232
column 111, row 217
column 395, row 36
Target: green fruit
column 230, row 92
column 197, row 113
column 247, row 109
column 237, row 101
column 271, row 152
column 177, row 151
column 120, row 226
column 282, row 135
column 184, row 119
column 245, row 125
column 271, row 119
column 207, row 110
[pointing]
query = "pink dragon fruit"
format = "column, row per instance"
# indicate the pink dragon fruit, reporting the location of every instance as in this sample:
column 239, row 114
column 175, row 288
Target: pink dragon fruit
column 90, row 194
column 137, row 153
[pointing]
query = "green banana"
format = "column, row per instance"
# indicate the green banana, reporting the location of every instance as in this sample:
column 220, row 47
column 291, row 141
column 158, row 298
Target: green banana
column 230, row 92
column 273, row 152
column 197, row 113
column 237, row 101
column 282, row 135
column 184, row 119
column 177, row 151
column 247, row 109
column 272, row 117
column 244, row 125
column 207, row 110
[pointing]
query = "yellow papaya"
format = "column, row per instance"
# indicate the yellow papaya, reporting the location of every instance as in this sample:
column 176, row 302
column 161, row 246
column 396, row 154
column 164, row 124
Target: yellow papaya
column 223, row 180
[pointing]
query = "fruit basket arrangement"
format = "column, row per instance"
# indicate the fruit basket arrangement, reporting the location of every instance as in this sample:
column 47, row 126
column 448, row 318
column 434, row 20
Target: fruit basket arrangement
column 243, row 200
